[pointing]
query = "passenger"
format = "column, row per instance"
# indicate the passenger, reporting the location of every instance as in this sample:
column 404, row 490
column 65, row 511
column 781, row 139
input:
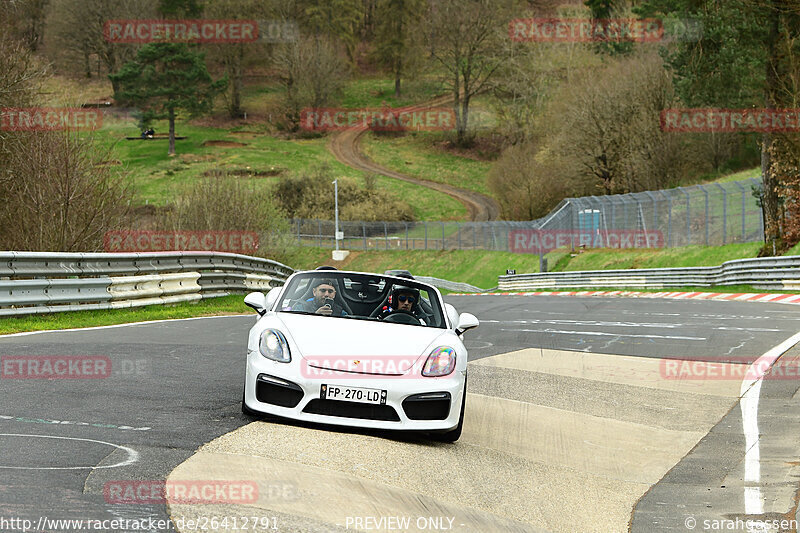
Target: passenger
column 323, row 302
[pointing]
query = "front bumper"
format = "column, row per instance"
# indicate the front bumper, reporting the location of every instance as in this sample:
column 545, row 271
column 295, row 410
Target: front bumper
column 279, row 389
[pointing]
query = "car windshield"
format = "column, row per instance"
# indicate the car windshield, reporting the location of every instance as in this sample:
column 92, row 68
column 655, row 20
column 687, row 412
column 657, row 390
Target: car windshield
column 363, row 296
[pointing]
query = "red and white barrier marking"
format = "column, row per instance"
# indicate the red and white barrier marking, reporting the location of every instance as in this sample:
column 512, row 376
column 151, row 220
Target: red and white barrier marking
column 737, row 296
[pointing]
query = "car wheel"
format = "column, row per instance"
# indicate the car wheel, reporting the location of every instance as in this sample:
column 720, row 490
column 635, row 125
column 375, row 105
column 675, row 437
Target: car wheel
column 246, row 410
column 455, row 433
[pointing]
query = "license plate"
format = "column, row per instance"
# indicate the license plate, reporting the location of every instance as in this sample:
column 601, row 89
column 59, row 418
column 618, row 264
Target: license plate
column 352, row 394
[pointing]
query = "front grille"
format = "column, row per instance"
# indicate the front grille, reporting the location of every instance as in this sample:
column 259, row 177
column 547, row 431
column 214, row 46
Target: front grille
column 278, row 391
column 427, row 406
column 363, row 411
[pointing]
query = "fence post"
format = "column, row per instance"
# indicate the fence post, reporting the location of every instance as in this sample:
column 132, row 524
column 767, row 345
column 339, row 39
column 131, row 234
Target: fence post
column 406, row 223
column 654, row 200
column 474, row 236
column 724, row 213
column 386, row 235
column 426, row 234
column 688, row 217
column 744, row 207
column 364, row 228
column 299, row 240
column 442, row 235
column 754, row 182
column 706, row 193
column 319, row 233
column 669, row 218
column 458, row 230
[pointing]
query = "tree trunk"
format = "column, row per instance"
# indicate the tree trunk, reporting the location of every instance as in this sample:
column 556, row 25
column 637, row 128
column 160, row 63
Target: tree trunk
column 236, row 84
column 770, row 201
column 171, row 132
column 397, row 82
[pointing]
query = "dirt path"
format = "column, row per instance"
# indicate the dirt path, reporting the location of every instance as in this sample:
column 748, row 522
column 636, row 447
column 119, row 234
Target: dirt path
column 345, row 147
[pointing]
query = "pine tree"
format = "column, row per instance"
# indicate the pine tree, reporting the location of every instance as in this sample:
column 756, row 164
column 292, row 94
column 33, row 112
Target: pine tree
column 164, row 79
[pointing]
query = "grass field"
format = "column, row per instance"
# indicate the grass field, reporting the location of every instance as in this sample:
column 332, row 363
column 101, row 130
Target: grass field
column 81, row 319
column 659, row 258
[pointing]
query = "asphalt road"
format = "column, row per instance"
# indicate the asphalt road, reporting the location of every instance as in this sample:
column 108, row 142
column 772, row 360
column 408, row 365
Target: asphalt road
column 174, row 386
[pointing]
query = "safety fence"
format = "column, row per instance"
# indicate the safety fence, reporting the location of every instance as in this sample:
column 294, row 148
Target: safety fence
column 769, row 273
column 711, row 214
column 43, row 282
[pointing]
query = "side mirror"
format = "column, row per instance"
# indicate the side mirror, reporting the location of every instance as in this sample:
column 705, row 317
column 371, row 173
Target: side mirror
column 466, row 322
column 257, row 301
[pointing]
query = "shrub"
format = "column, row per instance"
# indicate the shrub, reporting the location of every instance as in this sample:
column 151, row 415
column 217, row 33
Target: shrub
column 310, row 195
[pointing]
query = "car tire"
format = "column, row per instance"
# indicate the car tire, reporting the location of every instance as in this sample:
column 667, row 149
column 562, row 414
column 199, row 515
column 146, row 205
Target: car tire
column 455, row 433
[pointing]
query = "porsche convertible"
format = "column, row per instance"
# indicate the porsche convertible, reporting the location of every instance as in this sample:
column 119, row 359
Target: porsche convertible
column 358, row 349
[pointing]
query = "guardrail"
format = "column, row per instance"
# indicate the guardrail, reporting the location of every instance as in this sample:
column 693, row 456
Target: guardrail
column 769, row 273
column 43, row 282
column 455, row 286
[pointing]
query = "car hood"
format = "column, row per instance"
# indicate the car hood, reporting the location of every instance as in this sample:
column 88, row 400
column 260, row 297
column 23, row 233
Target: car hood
column 323, row 339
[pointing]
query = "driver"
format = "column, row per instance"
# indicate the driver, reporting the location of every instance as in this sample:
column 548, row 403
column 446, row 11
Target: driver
column 322, row 303
column 403, row 299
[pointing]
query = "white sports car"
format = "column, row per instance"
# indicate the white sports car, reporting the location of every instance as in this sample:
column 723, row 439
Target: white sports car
column 358, row 349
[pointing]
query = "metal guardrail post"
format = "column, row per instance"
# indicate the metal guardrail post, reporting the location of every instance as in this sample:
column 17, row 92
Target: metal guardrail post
column 406, row 223
column 386, row 235
column 426, row 235
column 458, row 230
column 442, row 235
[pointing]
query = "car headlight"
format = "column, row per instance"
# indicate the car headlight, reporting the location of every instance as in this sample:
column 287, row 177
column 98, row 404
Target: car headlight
column 273, row 345
column 441, row 362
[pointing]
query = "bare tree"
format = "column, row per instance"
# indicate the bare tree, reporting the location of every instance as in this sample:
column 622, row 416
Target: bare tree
column 609, row 122
column 61, row 194
column 467, row 37
column 313, row 71
column 76, row 31
column 235, row 58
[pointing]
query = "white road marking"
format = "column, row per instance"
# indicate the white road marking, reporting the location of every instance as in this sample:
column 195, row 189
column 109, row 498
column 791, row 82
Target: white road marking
column 29, row 420
column 133, row 455
column 626, row 324
column 605, row 333
column 26, row 333
column 750, row 393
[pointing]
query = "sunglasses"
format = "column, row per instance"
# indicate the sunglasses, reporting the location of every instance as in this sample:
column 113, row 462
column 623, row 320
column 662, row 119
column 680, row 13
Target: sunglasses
column 409, row 299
